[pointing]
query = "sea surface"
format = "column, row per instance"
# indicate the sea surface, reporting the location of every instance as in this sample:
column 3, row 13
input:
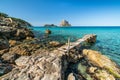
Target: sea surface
column 108, row 38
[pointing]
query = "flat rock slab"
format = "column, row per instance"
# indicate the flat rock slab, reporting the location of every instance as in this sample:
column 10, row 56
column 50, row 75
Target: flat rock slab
column 36, row 68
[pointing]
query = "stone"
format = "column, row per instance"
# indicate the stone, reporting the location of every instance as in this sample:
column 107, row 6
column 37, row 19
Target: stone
column 10, row 57
column 12, row 42
column 82, row 70
column 36, row 67
column 54, row 43
column 71, row 77
column 3, row 51
column 22, row 61
column 92, row 70
column 103, row 75
column 101, row 61
column 90, row 38
column 48, row 31
column 65, row 23
column 4, row 43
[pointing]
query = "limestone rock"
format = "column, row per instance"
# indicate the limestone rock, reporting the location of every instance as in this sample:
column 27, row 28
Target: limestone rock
column 65, row 23
column 54, row 43
column 92, row 69
column 22, row 61
column 91, row 38
column 103, row 75
column 40, row 67
column 9, row 57
column 71, row 77
column 99, row 60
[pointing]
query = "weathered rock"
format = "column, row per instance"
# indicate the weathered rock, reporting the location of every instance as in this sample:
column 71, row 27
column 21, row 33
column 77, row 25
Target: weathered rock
column 10, row 57
column 22, row 61
column 13, row 43
column 4, row 43
column 92, row 69
column 3, row 51
column 65, row 23
column 71, row 77
column 54, row 43
column 23, row 33
column 36, row 68
column 90, row 38
column 103, row 75
column 101, row 61
column 48, row 31
column 82, row 70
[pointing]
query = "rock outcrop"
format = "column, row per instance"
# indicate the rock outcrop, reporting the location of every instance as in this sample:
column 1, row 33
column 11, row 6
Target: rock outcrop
column 65, row 23
column 103, row 62
column 22, row 57
column 12, row 29
column 13, row 33
column 90, row 38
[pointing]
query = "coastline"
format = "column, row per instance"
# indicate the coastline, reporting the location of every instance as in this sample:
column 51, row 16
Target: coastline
column 23, row 56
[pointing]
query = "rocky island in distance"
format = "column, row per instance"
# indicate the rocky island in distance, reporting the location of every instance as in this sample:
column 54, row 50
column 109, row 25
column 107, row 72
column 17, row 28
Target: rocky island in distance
column 63, row 23
column 23, row 57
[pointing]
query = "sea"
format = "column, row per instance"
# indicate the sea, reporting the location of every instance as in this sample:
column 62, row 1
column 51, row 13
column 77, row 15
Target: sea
column 108, row 38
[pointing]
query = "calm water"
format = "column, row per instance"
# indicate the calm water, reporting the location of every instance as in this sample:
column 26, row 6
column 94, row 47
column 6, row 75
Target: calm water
column 108, row 38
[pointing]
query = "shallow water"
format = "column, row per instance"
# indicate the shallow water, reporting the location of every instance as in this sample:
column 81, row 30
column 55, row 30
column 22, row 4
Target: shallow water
column 108, row 38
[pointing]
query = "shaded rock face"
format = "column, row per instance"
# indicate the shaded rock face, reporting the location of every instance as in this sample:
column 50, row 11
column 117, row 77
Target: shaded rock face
column 65, row 23
column 4, row 43
column 12, row 29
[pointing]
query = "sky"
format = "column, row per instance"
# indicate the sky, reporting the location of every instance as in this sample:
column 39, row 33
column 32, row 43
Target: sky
column 77, row 12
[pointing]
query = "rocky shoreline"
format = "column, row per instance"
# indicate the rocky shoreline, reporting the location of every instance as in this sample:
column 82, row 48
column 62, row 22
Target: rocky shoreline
column 23, row 57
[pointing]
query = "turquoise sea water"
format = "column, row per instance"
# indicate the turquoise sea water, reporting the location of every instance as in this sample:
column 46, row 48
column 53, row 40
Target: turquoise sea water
column 108, row 38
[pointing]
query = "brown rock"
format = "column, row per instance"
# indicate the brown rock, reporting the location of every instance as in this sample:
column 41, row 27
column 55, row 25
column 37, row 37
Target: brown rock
column 12, row 42
column 99, row 60
column 4, row 43
column 10, row 57
column 54, row 43
column 103, row 75
column 22, row 61
column 3, row 51
column 92, row 69
column 71, row 77
column 90, row 38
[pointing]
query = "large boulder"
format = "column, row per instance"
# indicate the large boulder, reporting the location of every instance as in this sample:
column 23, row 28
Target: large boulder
column 90, row 38
column 101, row 61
